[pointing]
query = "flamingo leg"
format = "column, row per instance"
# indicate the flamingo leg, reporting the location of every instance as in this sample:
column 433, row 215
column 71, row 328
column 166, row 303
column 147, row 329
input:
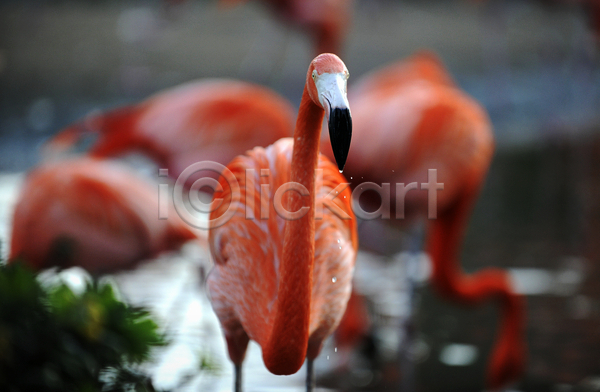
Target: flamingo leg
column 237, row 386
column 310, row 375
column 507, row 361
column 237, row 344
column 407, row 367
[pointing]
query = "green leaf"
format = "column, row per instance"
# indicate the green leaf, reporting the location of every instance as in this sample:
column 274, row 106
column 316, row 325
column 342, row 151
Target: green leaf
column 52, row 339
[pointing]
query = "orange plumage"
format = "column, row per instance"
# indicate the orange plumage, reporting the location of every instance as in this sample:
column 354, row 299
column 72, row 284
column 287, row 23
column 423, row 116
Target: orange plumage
column 410, row 117
column 213, row 120
column 92, row 214
column 284, row 282
column 253, row 248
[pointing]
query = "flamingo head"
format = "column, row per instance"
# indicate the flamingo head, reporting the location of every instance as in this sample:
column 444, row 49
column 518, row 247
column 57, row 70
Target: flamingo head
column 326, row 81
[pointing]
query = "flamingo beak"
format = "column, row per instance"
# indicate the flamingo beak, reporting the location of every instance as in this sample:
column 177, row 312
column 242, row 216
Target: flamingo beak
column 340, row 133
column 332, row 94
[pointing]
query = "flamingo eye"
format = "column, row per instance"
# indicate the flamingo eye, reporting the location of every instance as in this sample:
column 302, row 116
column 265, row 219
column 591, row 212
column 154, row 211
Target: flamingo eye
column 314, row 74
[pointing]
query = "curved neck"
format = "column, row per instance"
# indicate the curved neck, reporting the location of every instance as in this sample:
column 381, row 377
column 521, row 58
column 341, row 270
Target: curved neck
column 446, row 235
column 118, row 133
column 288, row 341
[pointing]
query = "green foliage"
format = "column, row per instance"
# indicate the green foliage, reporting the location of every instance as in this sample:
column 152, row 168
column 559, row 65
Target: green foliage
column 207, row 363
column 56, row 340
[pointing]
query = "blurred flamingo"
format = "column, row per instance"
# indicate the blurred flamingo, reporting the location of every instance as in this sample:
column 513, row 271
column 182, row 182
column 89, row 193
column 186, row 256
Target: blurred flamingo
column 92, row 214
column 410, row 117
column 353, row 328
column 326, row 20
column 284, row 281
column 209, row 120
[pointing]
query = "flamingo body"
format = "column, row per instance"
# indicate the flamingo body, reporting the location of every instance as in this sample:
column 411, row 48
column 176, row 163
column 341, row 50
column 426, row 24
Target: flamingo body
column 412, row 118
column 212, row 120
column 91, row 214
column 251, row 250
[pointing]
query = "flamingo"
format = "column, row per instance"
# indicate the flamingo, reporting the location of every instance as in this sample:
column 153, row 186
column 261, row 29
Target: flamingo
column 353, row 328
column 213, row 120
column 423, row 121
column 285, row 282
column 93, row 214
column 326, row 20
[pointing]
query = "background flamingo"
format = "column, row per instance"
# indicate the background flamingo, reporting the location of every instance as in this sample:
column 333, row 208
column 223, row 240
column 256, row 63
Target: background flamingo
column 92, row 214
column 353, row 328
column 212, row 120
column 285, row 283
column 423, row 121
column 325, row 20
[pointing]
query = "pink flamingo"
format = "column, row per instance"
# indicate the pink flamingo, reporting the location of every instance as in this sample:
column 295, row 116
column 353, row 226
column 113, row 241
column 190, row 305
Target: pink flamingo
column 409, row 117
column 209, row 120
column 283, row 282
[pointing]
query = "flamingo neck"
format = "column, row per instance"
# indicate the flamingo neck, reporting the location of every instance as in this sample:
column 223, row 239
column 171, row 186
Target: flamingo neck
column 288, row 340
column 446, row 235
column 328, row 38
column 117, row 133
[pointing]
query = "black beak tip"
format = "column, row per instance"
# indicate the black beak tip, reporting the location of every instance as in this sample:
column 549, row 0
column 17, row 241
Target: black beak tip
column 340, row 134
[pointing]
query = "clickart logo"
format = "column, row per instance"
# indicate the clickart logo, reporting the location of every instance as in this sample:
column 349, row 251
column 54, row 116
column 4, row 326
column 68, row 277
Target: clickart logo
column 256, row 202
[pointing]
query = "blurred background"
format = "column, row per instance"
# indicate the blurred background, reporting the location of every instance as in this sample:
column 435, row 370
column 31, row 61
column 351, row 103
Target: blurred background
column 534, row 65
